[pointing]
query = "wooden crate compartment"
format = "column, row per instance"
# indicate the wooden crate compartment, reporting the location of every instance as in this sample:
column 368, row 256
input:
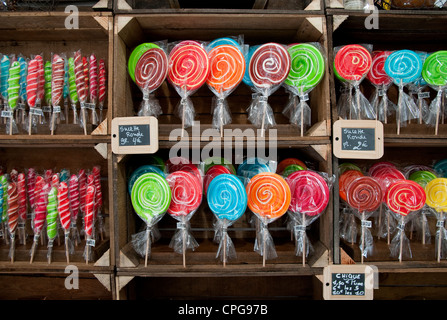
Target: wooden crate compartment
column 423, row 255
column 202, row 262
column 73, row 158
column 45, row 33
column 131, row 30
column 424, row 32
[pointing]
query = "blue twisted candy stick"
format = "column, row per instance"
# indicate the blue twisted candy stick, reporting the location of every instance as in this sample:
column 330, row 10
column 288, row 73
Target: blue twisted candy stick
column 140, row 171
column 66, row 82
column 4, row 75
column 246, row 79
column 23, row 75
column 227, row 197
column 252, row 166
column 223, row 41
column 404, row 66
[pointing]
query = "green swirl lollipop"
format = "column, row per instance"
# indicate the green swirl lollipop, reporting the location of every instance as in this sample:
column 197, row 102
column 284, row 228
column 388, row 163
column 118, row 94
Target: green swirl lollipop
column 307, row 67
column 47, row 85
column 14, row 84
column 422, row 177
column 434, row 70
column 291, row 169
column 136, row 55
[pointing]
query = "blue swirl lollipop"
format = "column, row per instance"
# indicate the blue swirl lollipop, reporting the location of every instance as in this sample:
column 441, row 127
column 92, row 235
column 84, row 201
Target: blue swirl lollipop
column 227, row 197
column 252, row 166
column 223, row 41
column 140, row 171
column 404, row 66
column 246, row 79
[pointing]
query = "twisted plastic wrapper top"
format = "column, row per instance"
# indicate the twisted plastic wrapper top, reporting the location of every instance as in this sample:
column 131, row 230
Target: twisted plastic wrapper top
column 151, row 197
column 268, row 68
column 351, row 65
column 227, row 68
column 310, row 193
column 227, row 199
column 188, row 70
column 307, row 70
column 148, row 66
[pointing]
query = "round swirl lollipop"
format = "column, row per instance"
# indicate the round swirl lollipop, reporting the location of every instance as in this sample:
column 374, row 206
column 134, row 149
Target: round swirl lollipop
column 151, row 69
column 403, row 66
column 377, row 75
column 223, row 41
column 436, row 192
column 405, row 196
column 252, row 166
column 307, row 67
column 364, row 194
column 347, row 166
column 422, row 177
column 386, row 176
column 352, row 62
column 136, row 55
column 140, row 171
column 210, row 162
column 291, row 169
column 188, row 65
column 186, row 193
column 212, row 173
column 380, row 165
column 345, row 180
column 434, row 70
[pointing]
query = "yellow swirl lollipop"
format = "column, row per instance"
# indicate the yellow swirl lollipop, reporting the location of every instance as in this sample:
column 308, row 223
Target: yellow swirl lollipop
column 436, row 191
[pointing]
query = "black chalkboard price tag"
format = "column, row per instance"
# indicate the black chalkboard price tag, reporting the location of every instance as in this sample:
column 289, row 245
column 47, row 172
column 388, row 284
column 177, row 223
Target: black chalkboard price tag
column 349, row 282
column 134, row 135
column 358, row 139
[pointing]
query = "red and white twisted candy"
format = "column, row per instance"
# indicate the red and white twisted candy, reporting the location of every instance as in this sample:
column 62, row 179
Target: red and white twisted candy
column 57, row 79
column 91, row 182
column 40, row 78
column 31, row 83
column 93, row 74
column 40, row 183
column 82, row 179
column 48, row 175
column 55, row 180
column 13, row 175
column 21, row 190
column 186, row 193
column 309, row 192
column 405, row 196
column 63, row 206
column 73, row 191
column 13, row 207
column 79, row 77
column 151, row 69
column 85, row 65
column 89, row 210
column 97, row 179
column 269, row 65
column 40, row 213
column 30, row 185
column 102, row 82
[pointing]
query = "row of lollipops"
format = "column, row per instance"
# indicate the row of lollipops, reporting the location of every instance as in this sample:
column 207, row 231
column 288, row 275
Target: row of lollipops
column 177, row 186
column 31, row 87
column 414, row 70
column 51, row 201
column 223, row 64
column 395, row 197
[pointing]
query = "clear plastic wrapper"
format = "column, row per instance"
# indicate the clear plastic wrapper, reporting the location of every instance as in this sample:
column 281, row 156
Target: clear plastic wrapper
column 186, row 191
column 436, row 191
column 13, row 216
column 72, row 90
column 89, row 218
column 310, row 194
column 149, row 65
column 227, row 199
column 151, row 197
column 348, row 225
column 351, row 65
column 269, row 67
column 433, row 73
column 268, row 198
column 23, row 206
column 404, row 67
column 365, row 195
column 57, row 88
column 308, row 66
column 188, row 70
column 12, row 94
column 81, row 88
column 227, row 68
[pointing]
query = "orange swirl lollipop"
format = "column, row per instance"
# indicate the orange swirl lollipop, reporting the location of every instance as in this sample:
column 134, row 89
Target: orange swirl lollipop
column 345, row 180
column 268, row 195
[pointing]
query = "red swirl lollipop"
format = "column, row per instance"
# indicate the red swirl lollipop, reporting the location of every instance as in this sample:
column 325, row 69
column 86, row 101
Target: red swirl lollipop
column 364, row 194
column 213, row 172
column 405, row 196
column 345, row 180
column 151, row 69
column 186, row 193
column 380, row 165
column 386, row 176
column 352, row 62
column 269, row 65
column 377, row 75
column 188, row 65
column 174, row 163
column 309, row 192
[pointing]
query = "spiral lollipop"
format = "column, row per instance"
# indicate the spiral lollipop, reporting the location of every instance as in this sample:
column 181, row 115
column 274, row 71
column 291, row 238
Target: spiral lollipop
column 151, row 197
column 287, row 162
column 96, row 172
column 81, row 88
column 4, row 217
column 88, row 218
column 13, row 215
column 52, row 215
column 23, row 208
column 72, row 88
column 63, row 207
column 47, row 86
column 269, row 198
column 57, row 84
column 4, row 75
column 102, row 87
column 86, row 67
column 31, row 83
column 227, row 199
column 404, row 66
column 434, row 72
column 74, row 204
column 40, row 213
column 252, row 166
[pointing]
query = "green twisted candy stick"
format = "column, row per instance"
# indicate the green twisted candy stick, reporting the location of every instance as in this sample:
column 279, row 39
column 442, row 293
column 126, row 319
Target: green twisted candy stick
column 422, row 177
column 151, row 197
column 4, row 184
column 47, row 86
column 14, row 84
column 434, row 70
column 72, row 81
column 307, row 67
column 52, row 213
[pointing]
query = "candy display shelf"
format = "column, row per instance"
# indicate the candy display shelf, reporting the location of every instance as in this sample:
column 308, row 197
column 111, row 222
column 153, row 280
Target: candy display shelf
column 132, row 30
column 46, row 33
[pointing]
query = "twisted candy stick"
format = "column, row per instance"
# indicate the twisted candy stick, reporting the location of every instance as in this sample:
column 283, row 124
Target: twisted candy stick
column 31, row 83
column 47, row 85
column 81, row 88
column 93, row 88
column 2, row 206
column 40, row 214
column 102, row 87
column 88, row 218
column 72, row 88
column 40, row 79
column 13, row 89
column 23, row 208
column 52, row 215
column 57, row 84
column 73, row 191
column 98, row 199
column 63, row 208
column 82, row 179
column 4, row 217
column 4, row 74
column 13, row 215
column 85, row 66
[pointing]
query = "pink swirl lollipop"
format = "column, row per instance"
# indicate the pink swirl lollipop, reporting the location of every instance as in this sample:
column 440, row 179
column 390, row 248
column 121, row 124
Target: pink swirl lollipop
column 73, row 190
column 269, row 65
column 93, row 75
column 151, row 69
column 188, row 65
column 31, row 83
column 377, row 75
column 186, row 193
column 97, row 180
column 40, row 213
column 89, row 217
column 174, row 163
column 79, row 76
column 310, row 192
column 21, row 191
column 102, row 82
column 386, row 176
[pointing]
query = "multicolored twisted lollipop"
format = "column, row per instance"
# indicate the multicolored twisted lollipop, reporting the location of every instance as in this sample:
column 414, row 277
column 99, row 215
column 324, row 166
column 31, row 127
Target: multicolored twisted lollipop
column 52, row 215
column 93, row 75
column 22, row 201
column 40, row 213
column 74, row 204
column 82, row 180
column 72, row 88
column 57, row 84
column 86, row 66
column 13, row 215
column 4, row 75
